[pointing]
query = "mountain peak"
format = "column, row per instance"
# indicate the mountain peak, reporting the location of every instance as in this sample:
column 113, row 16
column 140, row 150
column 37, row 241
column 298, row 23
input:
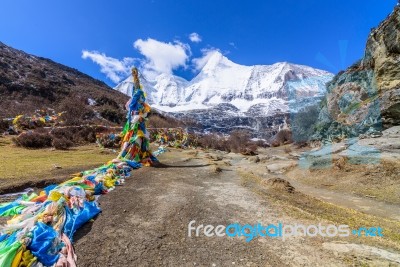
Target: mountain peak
column 217, row 60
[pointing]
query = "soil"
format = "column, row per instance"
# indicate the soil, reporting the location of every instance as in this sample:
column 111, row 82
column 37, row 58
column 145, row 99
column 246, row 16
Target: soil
column 145, row 222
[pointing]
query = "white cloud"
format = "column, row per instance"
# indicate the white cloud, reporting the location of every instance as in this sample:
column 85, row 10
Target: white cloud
column 162, row 57
column 195, row 37
column 200, row 62
column 233, row 45
column 113, row 68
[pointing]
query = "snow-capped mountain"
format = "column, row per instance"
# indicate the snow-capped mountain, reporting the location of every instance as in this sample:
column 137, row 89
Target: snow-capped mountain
column 223, row 81
column 255, row 91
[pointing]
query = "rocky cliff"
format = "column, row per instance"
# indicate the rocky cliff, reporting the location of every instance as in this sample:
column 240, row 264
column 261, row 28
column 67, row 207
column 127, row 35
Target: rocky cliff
column 366, row 97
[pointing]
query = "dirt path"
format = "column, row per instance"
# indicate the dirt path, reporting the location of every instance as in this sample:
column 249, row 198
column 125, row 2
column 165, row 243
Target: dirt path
column 145, row 223
column 363, row 204
column 343, row 199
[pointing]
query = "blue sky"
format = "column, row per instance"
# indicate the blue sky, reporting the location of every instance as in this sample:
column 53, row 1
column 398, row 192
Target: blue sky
column 95, row 36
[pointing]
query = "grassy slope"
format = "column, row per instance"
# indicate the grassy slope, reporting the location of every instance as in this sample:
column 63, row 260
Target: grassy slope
column 299, row 205
column 20, row 165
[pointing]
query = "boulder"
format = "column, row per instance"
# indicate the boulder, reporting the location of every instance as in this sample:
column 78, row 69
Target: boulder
column 281, row 167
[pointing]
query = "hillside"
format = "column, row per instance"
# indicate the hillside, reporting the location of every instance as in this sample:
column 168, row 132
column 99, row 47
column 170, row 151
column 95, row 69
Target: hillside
column 28, row 83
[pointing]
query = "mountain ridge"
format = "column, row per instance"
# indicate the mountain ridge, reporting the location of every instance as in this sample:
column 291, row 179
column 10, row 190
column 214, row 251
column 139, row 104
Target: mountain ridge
column 223, row 81
column 226, row 96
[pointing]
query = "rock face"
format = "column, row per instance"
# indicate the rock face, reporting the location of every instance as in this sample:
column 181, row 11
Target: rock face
column 366, row 97
column 370, row 150
column 383, row 54
column 226, row 118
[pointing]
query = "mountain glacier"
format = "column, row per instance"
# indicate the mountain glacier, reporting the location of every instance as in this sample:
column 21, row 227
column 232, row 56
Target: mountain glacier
column 241, row 93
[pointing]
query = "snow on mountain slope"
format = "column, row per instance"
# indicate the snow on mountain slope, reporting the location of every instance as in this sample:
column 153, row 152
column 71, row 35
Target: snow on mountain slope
column 268, row 88
column 169, row 89
column 126, row 88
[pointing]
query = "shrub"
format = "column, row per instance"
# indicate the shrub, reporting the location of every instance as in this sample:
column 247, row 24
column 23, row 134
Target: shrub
column 33, row 140
column 62, row 143
column 4, row 125
column 60, row 138
column 282, row 137
column 261, row 143
column 77, row 135
column 112, row 114
column 65, row 132
column 76, row 111
column 304, row 123
column 106, row 101
column 239, row 141
column 249, row 150
column 109, row 140
column 211, row 141
column 157, row 120
column 86, row 134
